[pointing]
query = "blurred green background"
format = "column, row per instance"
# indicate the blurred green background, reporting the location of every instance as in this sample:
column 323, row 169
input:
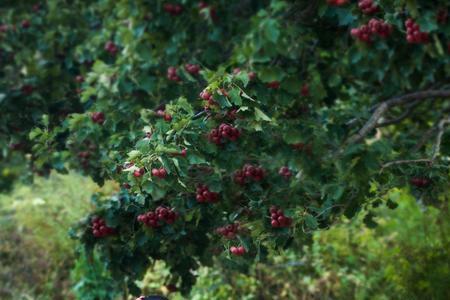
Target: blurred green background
column 407, row 256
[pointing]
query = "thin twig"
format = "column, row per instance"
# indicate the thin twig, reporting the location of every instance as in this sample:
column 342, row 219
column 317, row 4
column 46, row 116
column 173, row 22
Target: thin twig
column 405, row 161
column 396, row 101
column 436, row 149
column 437, row 145
column 400, row 118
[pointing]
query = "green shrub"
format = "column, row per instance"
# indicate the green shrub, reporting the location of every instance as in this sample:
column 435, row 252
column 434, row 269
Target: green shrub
column 36, row 252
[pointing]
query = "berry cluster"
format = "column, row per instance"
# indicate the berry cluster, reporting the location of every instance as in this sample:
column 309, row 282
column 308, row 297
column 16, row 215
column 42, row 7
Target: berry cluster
column 204, row 195
column 413, row 33
column 160, row 173
column 98, row 118
column 25, row 24
column 302, row 147
column 111, row 48
column 255, row 173
column 84, row 158
column 285, row 172
column 4, row 28
column 238, row 251
column 192, row 69
column 273, row 85
column 139, row 172
column 420, row 182
column 27, row 89
column 161, row 113
column 172, row 74
column 222, row 133
column 368, row 7
column 229, row 231
column 158, row 217
column 99, row 228
column 173, row 9
column 337, row 2
column 304, row 91
column 278, row 219
column 442, row 16
column 79, row 79
column 374, row 27
column 207, row 96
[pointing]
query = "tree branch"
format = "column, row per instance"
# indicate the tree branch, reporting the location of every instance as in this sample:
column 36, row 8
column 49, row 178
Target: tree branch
column 436, row 148
column 437, row 145
column 400, row 118
column 388, row 104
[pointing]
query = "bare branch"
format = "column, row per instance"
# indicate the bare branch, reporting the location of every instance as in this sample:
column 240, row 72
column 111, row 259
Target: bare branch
column 405, row 161
column 436, row 149
column 396, row 101
column 400, row 118
column 437, row 145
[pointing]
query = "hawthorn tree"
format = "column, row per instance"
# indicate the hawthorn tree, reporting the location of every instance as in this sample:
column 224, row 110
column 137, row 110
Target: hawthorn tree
column 234, row 128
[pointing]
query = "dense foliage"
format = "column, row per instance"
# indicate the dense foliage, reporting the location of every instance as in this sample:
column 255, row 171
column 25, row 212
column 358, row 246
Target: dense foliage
column 235, row 127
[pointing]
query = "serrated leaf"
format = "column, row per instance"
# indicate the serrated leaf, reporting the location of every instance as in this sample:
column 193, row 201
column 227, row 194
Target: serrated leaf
column 260, row 115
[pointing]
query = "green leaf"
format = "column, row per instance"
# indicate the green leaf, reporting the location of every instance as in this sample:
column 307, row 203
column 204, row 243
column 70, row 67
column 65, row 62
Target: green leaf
column 271, row 30
column 260, row 115
column 235, row 97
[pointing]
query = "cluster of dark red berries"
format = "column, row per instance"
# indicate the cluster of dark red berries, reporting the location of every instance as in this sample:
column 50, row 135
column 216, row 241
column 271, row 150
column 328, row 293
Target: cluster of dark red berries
column 111, row 48
column 27, row 89
column 442, row 16
column 368, row 7
column 304, row 91
column 420, row 182
column 285, row 172
column 160, row 173
column 173, row 9
column 84, row 158
column 204, row 195
column 278, row 219
column 172, row 74
column 238, row 251
column 139, row 172
column 247, row 172
column 192, row 69
column 208, row 97
column 337, row 2
column 4, row 28
column 413, row 33
column 98, row 117
column 273, row 85
column 161, row 113
column 79, row 79
column 99, row 228
column 303, row 147
column 25, row 24
column 229, row 231
column 158, row 217
column 224, row 132
column 377, row 27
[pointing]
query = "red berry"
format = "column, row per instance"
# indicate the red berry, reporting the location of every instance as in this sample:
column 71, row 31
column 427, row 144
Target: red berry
column 26, row 24
column 167, row 117
column 79, row 79
column 155, row 172
column 305, row 90
column 98, row 117
column 273, row 85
